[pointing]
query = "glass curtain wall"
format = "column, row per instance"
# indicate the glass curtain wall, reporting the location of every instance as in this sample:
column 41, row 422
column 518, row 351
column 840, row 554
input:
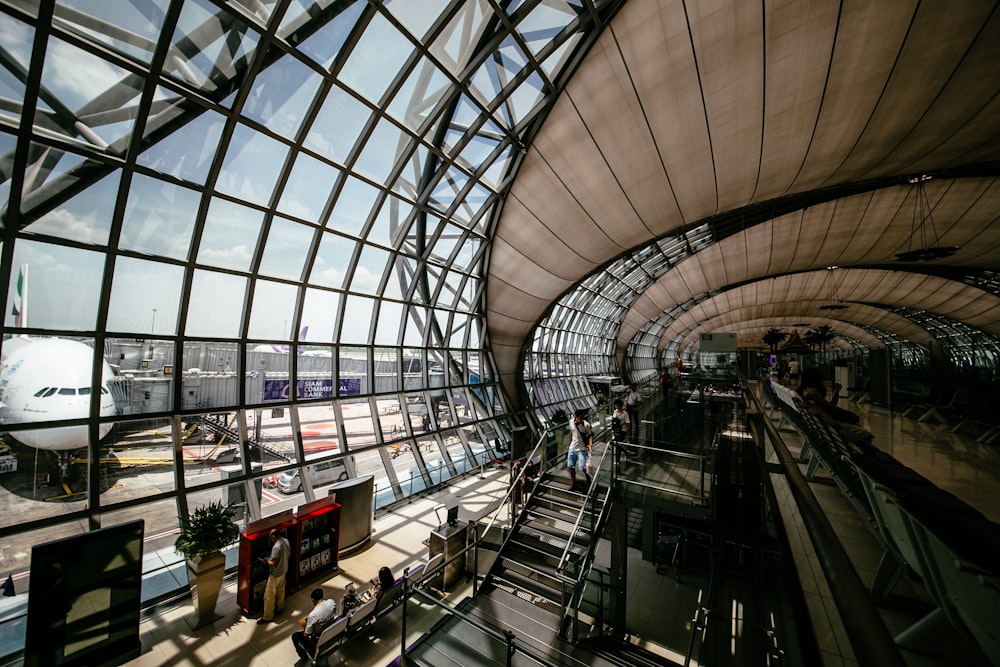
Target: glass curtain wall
column 245, row 245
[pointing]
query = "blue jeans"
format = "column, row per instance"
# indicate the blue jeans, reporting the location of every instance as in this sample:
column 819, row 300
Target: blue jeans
column 577, row 458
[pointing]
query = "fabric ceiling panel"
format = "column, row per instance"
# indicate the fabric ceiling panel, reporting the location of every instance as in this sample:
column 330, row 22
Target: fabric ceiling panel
column 637, row 171
column 873, row 225
column 784, row 239
column 914, row 114
column 654, row 39
column 864, row 55
column 798, row 39
column 693, row 111
column 705, row 271
column 729, row 51
column 843, row 218
column 882, row 228
column 595, row 190
column 573, row 241
column 758, row 247
column 521, row 265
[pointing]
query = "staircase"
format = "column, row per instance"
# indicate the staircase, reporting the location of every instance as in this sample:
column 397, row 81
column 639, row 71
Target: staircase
column 212, row 425
column 528, row 566
column 527, row 600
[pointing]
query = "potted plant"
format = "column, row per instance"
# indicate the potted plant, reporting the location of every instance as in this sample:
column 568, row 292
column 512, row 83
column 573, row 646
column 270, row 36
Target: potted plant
column 203, row 535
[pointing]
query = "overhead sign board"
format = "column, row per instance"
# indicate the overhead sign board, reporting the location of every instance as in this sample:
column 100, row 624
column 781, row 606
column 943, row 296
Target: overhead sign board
column 718, row 342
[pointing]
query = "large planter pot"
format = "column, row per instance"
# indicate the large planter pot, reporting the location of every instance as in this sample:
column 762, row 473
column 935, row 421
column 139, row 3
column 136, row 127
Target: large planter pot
column 205, row 578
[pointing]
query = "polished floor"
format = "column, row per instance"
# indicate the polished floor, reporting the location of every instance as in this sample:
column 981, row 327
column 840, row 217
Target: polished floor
column 169, row 635
column 954, row 461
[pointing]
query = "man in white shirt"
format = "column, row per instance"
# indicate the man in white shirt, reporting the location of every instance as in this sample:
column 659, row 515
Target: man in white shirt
column 581, row 440
column 794, row 370
column 632, row 399
column 323, row 612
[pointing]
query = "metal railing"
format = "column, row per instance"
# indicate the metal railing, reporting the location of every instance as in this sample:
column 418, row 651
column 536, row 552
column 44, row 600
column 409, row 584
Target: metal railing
column 869, row 637
column 596, row 510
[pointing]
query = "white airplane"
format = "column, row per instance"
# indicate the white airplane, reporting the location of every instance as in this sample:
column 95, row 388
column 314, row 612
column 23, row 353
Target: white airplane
column 284, row 349
column 49, row 379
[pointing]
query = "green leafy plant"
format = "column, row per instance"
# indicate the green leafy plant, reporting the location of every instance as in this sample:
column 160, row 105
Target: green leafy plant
column 208, row 529
column 773, row 337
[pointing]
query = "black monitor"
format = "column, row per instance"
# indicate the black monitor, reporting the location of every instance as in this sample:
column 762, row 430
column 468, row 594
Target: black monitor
column 83, row 609
column 453, row 516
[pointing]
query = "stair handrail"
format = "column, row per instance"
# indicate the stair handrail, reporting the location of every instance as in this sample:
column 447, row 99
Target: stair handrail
column 866, row 630
column 571, row 602
column 507, row 636
column 701, row 458
column 591, row 490
column 496, row 514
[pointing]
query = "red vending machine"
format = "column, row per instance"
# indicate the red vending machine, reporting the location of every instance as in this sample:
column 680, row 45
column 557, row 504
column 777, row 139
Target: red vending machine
column 255, row 547
column 314, row 551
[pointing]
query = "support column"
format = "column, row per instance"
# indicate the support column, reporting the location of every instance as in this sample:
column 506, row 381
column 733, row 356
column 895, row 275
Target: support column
column 618, row 532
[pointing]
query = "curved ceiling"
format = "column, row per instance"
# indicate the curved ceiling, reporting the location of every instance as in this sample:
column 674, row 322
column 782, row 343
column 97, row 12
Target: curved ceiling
column 858, row 292
column 750, row 329
column 683, row 112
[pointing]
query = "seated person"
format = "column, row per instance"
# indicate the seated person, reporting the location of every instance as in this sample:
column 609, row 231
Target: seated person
column 323, row 612
column 351, row 599
column 382, row 582
column 813, row 392
column 530, row 473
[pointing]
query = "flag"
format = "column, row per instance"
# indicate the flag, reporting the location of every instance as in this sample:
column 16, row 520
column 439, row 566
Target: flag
column 8, row 587
column 15, row 310
column 19, row 309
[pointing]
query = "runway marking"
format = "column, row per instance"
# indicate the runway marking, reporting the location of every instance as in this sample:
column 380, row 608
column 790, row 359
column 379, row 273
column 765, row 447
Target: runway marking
column 162, row 534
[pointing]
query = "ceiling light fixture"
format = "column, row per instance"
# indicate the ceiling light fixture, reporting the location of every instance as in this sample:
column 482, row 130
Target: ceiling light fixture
column 928, row 249
column 832, row 295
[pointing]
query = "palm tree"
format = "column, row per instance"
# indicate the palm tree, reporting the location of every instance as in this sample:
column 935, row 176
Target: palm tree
column 820, row 336
column 810, row 338
column 773, row 337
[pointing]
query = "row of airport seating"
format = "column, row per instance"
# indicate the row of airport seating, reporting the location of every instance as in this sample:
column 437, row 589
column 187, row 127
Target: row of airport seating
column 347, row 626
column 970, row 409
column 950, row 545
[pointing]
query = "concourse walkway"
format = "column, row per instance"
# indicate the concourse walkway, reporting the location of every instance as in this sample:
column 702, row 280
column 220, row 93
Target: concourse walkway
column 954, row 462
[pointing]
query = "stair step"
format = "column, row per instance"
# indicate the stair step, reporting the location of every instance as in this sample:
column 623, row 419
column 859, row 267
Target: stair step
column 540, row 542
column 619, row 652
column 554, row 514
column 532, row 558
column 545, row 526
column 537, row 590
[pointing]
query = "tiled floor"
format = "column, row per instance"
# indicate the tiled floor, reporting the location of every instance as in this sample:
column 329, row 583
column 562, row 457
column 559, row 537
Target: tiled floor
column 954, row 462
column 169, row 638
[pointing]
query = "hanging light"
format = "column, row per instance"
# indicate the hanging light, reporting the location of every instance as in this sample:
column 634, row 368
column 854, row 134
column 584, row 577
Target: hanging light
column 832, row 296
column 928, row 247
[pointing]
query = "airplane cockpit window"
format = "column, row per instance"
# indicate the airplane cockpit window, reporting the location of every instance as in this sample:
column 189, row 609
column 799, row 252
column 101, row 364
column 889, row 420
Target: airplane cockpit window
column 38, row 394
column 67, row 391
column 50, row 391
column 83, row 391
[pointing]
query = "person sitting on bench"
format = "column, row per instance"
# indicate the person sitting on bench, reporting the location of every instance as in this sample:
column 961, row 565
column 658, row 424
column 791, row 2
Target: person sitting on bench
column 382, row 582
column 323, row 611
